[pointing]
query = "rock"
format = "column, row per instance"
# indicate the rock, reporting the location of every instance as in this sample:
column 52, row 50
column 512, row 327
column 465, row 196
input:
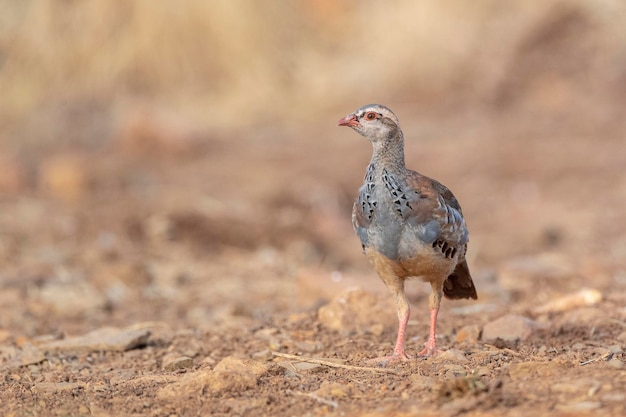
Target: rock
column 104, row 339
column 510, row 327
column 175, row 363
column 230, row 374
column 263, row 355
column 354, row 309
column 30, row 355
column 451, row 355
column 470, row 333
column 583, row 298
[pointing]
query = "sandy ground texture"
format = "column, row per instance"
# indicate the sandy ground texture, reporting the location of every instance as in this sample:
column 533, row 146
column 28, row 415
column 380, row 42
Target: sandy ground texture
column 219, row 275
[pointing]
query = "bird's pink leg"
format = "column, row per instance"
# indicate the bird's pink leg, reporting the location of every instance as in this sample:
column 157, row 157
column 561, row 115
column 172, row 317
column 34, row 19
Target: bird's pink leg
column 431, row 344
column 396, row 286
column 398, row 350
column 434, row 302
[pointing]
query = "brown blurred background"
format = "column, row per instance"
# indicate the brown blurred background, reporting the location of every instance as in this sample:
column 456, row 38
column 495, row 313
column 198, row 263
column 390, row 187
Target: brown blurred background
column 146, row 135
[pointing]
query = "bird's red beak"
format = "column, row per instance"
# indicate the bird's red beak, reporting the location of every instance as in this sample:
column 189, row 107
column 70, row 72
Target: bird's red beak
column 350, row 121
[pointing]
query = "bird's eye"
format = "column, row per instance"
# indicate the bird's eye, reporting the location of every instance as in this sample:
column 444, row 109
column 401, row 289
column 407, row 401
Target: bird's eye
column 370, row 116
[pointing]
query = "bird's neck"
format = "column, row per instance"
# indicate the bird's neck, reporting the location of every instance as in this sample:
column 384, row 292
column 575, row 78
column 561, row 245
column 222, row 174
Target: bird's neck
column 389, row 154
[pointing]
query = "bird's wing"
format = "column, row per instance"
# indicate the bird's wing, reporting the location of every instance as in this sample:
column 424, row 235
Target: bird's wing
column 431, row 210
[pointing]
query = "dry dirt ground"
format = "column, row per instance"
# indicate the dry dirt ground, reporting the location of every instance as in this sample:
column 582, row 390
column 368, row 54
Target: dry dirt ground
column 159, row 275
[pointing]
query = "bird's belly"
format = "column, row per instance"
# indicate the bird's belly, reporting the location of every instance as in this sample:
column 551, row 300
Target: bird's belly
column 410, row 256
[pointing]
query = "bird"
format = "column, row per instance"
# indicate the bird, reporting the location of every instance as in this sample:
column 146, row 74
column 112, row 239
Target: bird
column 409, row 225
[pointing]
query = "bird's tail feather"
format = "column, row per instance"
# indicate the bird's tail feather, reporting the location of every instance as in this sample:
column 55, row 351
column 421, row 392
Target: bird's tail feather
column 459, row 284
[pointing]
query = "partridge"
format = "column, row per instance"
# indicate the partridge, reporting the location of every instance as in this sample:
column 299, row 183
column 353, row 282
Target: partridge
column 409, row 225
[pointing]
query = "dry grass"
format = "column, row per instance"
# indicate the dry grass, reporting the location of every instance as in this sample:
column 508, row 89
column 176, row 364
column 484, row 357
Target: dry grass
column 244, row 62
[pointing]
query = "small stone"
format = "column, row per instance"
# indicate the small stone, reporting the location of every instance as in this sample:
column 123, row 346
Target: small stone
column 177, row 362
column 263, row 355
column 615, row 349
column 451, row 355
column 510, row 327
column 31, row 355
column 469, row 334
column 230, row 374
column 233, row 373
column 622, row 336
column 104, row 339
column 615, row 364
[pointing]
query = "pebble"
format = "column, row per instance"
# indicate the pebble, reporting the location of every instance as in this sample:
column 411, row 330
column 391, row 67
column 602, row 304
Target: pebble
column 451, row 355
column 510, row 327
column 230, row 374
column 469, row 334
column 263, row 355
column 177, row 362
column 103, row 339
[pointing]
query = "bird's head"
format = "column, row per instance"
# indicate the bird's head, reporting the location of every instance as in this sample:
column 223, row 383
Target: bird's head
column 374, row 121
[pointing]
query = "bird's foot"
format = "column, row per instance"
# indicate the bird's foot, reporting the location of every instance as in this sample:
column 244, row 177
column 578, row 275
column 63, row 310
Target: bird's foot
column 388, row 360
column 430, row 349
